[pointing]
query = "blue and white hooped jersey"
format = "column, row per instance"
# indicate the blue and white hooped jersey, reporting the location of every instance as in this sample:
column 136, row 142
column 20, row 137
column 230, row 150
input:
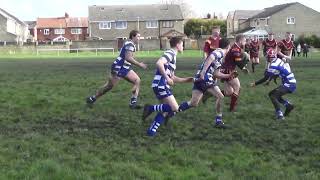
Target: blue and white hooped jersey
column 215, row 65
column 278, row 67
column 120, row 61
column 159, row 80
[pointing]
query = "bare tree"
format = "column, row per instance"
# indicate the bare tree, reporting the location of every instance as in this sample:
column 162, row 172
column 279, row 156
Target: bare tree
column 186, row 8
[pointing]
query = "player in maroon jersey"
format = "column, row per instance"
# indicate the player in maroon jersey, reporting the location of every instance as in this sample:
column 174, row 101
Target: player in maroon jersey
column 285, row 47
column 234, row 58
column 267, row 44
column 212, row 43
column 254, row 52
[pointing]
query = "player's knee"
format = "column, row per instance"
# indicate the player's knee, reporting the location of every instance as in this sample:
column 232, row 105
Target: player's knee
column 137, row 81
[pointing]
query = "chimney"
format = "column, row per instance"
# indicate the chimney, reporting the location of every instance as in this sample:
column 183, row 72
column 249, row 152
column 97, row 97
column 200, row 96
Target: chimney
column 66, row 15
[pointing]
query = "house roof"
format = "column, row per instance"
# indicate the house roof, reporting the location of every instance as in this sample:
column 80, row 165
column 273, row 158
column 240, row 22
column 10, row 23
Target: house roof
column 135, row 12
column 5, row 13
column 173, row 33
column 62, row 22
column 272, row 10
column 258, row 32
column 31, row 24
column 77, row 22
column 245, row 14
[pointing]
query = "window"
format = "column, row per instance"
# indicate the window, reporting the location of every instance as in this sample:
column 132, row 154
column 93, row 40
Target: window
column 291, row 20
column 267, row 23
column 167, row 24
column 59, row 31
column 258, row 22
column 152, row 24
column 105, row 25
column 46, row 31
column 121, row 24
column 76, row 31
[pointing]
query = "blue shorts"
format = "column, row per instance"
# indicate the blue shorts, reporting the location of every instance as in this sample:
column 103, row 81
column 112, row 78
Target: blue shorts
column 162, row 92
column 202, row 86
column 119, row 71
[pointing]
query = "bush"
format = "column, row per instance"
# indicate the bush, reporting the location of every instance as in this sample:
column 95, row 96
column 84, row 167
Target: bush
column 193, row 27
column 312, row 40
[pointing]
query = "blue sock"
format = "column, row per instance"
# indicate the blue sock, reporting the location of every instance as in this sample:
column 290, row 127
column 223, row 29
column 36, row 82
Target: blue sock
column 133, row 100
column 184, row 106
column 218, row 119
column 284, row 102
column 158, row 120
column 160, row 108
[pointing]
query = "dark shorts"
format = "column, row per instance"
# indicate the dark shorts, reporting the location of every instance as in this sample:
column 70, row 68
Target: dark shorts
column 119, row 71
column 162, row 92
column 202, row 86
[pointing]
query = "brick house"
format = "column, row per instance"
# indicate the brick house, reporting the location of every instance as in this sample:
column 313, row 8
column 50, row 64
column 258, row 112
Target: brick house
column 62, row 29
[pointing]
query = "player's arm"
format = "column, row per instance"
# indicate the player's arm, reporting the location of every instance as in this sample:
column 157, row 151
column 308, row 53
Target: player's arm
column 221, row 75
column 206, row 65
column 177, row 79
column 129, row 57
column 262, row 80
column 206, row 49
column 160, row 65
column 281, row 54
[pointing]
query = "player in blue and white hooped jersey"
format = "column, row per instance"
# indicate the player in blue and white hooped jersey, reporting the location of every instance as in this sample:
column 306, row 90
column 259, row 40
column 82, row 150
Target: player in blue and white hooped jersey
column 205, row 81
column 163, row 80
column 279, row 68
column 121, row 69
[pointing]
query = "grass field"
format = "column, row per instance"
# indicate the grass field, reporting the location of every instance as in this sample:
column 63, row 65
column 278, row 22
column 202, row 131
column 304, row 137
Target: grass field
column 47, row 133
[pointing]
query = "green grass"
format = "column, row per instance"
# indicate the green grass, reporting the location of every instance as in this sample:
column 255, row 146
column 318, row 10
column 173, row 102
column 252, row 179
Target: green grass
column 47, row 133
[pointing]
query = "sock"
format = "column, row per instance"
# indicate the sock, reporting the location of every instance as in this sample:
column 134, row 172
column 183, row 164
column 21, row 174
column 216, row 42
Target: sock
column 133, row 100
column 184, row 106
column 160, row 108
column 279, row 112
column 252, row 65
column 158, row 120
column 234, row 99
column 218, row 118
column 284, row 102
column 93, row 98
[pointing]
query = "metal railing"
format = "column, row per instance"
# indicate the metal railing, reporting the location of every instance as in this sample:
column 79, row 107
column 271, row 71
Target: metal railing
column 75, row 50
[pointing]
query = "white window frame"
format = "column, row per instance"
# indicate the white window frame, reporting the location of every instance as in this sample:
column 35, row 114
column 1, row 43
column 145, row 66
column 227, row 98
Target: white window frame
column 124, row 24
column 105, row 25
column 59, row 31
column 46, row 31
column 167, row 24
column 152, row 24
column 76, row 31
column 291, row 20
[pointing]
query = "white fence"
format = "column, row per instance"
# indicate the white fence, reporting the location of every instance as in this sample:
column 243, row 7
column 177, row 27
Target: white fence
column 75, row 50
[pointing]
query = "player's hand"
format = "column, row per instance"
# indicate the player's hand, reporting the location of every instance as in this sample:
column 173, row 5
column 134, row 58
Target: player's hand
column 234, row 74
column 189, row 79
column 143, row 65
column 252, row 84
column 170, row 81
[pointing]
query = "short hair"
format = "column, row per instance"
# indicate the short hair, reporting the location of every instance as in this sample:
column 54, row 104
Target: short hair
column 174, row 41
column 215, row 27
column 224, row 42
column 133, row 33
column 239, row 37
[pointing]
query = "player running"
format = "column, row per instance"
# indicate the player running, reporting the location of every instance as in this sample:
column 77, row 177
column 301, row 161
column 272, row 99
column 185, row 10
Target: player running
column 121, row 69
column 163, row 79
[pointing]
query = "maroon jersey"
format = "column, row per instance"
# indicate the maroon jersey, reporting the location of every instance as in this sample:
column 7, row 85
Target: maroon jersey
column 267, row 44
column 211, row 44
column 285, row 47
column 233, row 55
column 254, row 49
